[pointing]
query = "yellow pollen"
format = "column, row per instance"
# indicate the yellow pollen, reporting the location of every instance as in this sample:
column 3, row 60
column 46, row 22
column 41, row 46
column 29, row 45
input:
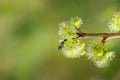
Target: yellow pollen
column 83, row 53
column 118, row 17
column 82, row 44
column 99, row 54
column 65, row 29
column 76, row 22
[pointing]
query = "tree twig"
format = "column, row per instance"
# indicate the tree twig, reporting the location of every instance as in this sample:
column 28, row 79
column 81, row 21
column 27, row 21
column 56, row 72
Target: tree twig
column 105, row 36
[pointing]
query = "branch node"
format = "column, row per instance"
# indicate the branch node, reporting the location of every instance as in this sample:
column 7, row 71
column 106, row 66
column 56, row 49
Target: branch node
column 104, row 39
column 78, row 29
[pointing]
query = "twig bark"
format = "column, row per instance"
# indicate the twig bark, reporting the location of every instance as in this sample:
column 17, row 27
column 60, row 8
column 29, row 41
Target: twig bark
column 105, row 36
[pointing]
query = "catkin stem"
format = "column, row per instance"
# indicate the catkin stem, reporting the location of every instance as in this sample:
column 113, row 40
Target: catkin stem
column 92, row 35
column 105, row 36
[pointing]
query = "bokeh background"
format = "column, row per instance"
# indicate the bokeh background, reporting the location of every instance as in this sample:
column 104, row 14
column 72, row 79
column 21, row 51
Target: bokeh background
column 29, row 39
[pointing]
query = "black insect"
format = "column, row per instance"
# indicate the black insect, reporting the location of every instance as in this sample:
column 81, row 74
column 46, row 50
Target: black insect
column 62, row 44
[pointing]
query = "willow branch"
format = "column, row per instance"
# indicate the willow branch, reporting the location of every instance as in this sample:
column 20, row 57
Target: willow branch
column 105, row 36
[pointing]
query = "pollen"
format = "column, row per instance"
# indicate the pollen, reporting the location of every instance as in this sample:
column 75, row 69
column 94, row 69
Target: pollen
column 82, row 44
column 99, row 54
column 118, row 17
column 65, row 29
column 83, row 53
column 76, row 22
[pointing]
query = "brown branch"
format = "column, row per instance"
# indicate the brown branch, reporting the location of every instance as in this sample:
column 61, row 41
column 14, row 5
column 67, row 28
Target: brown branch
column 105, row 36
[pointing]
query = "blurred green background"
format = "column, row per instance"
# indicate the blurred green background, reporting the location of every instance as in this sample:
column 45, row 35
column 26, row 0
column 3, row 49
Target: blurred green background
column 29, row 39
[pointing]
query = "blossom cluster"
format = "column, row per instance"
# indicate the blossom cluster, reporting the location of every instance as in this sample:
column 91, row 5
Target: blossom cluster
column 99, row 55
column 73, row 47
column 67, row 29
column 114, row 24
